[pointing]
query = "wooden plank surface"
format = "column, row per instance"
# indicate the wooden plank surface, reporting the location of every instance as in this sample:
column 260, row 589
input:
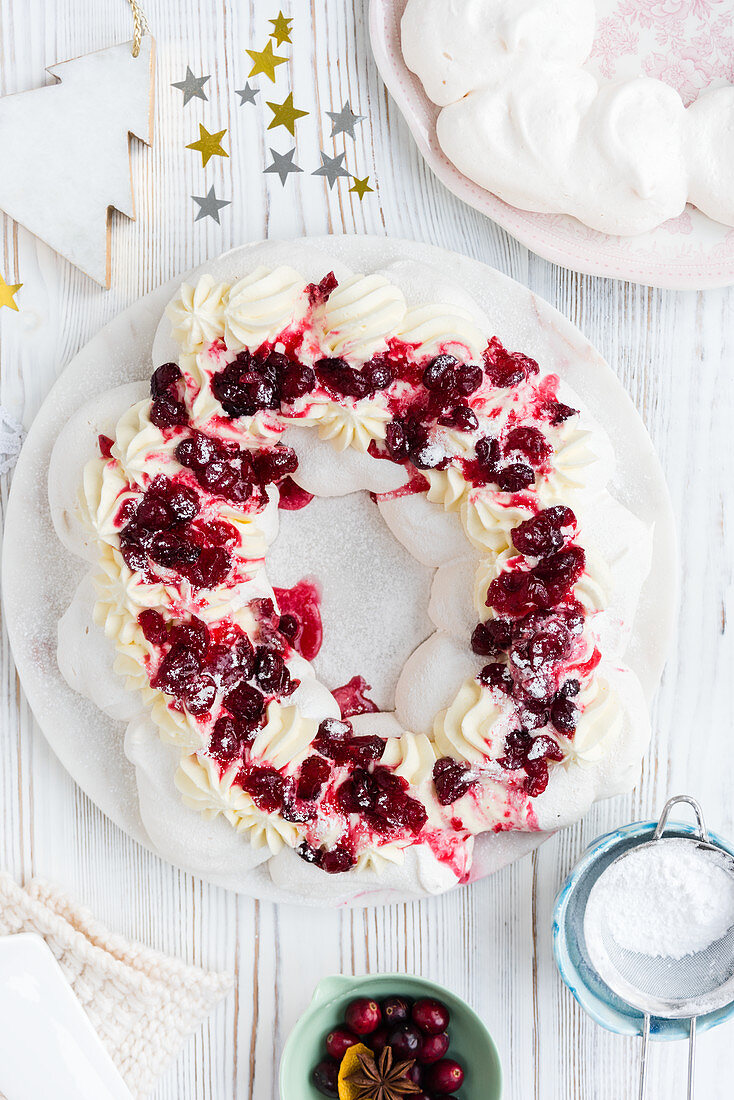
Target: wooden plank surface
column 673, row 352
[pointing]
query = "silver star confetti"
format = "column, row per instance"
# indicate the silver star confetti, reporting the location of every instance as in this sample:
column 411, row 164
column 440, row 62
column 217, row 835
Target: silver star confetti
column 192, row 87
column 283, row 164
column 210, row 205
column 344, row 121
column 247, row 94
column 332, row 168
column 11, row 440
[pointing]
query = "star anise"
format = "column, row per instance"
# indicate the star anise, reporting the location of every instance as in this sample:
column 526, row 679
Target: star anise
column 382, row 1078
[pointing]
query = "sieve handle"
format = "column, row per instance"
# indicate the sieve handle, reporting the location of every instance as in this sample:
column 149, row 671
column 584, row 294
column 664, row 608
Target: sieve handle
column 691, row 1057
column 643, row 1056
column 702, row 830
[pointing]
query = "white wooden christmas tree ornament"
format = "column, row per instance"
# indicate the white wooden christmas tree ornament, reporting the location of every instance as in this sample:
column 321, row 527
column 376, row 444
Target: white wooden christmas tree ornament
column 66, row 151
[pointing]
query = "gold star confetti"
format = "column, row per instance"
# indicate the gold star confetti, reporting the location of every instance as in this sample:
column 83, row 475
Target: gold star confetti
column 282, row 28
column 265, row 62
column 361, row 187
column 7, row 294
column 285, row 114
column 209, row 145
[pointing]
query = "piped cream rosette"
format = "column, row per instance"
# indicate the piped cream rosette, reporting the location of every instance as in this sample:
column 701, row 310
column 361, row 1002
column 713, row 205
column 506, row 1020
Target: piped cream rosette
column 462, row 530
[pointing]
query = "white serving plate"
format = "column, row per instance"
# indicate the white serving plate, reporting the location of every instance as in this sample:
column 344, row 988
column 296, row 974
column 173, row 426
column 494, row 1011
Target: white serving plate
column 40, row 577
column 633, row 36
column 48, row 1047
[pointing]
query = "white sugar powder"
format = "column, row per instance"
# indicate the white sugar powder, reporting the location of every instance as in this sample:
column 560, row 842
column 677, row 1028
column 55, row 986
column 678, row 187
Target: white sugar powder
column 669, row 899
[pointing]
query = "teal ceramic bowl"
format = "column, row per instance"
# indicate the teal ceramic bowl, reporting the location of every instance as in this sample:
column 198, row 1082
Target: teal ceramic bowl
column 471, row 1043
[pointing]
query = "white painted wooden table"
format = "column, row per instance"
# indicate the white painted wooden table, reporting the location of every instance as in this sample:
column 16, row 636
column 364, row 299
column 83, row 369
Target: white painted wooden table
column 673, row 351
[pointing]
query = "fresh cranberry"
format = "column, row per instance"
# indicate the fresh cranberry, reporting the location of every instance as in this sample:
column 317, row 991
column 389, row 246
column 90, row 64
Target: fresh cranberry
column 339, row 1041
column 247, row 704
column 433, row 1048
column 164, row 379
column 415, row 1073
column 396, row 1010
column 444, row 1077
column 178, row 666
column 397, row 442
column 363, row 1016
column 530, row 442
column 167, row 412
column 378, row 1040
column 405, row 1040
column 265, row 786
column 105, row 445
column 497, row 676
column 492, row 637
column 451, row 779
column 564, row 714
column 153, row 626
column 545, row 533
column 326, row 1078
column 430, row 1015
column 461, row 419
column 226, row 739
column 196, row 450
column 319, row 293
column 337, row 860
column 272, row 465
column 199, row 695
column 515, row 477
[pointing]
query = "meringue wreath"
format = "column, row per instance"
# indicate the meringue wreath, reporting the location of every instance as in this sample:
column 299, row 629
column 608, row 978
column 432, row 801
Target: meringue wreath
column 515, row 714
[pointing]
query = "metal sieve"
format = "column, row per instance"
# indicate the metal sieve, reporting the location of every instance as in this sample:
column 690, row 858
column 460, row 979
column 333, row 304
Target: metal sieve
column 663, row 987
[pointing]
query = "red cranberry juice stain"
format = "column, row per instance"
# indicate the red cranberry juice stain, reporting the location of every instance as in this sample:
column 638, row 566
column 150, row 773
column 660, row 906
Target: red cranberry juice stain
column 303, row 602
column 292, row 496
column 352, row 698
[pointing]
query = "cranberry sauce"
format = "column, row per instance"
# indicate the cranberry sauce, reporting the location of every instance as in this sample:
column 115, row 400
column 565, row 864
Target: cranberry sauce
column 352, row 698
column 300, row 617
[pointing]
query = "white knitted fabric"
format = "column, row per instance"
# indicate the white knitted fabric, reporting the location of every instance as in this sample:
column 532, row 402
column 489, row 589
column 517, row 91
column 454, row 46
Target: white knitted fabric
column 143, row 1005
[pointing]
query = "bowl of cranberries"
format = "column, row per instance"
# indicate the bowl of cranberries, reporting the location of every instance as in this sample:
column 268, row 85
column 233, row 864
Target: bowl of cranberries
column 389, row 1037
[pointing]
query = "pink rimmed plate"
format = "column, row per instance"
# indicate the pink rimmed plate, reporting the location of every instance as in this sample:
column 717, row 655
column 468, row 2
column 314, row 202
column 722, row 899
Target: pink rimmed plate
column 690, row 46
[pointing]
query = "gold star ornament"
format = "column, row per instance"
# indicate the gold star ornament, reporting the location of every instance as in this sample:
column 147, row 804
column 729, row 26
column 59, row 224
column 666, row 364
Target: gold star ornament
column 285, row 114
column 266, row 62
column 209, row 145
column 361, row 187
column 282, row 28
column 7, row 294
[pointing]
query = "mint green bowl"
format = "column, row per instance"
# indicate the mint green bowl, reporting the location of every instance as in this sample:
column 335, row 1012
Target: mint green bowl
column 471, row 1043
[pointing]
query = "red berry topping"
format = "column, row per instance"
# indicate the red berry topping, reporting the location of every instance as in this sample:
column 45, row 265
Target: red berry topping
column 431, row 1016
column 545, row 533
column 363, row 1016
column 247, row 704
column 530, row 442
column 319, row 293
column 153, row 626
column 352, row 698
column 451, row 779
column 491, row 638
column 315, row 772
column 105, row 445
column 265, row 786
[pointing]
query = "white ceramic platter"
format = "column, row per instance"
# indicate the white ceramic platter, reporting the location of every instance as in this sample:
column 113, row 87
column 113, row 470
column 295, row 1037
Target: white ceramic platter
column 40, row 577
column 688, row 45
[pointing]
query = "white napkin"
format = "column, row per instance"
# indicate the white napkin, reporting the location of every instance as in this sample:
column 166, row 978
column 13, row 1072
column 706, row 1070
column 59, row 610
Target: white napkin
column 142, row 1004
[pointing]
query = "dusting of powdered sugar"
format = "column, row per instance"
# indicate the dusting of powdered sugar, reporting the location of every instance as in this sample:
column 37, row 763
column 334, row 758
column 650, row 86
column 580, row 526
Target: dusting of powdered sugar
column 668, row 899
